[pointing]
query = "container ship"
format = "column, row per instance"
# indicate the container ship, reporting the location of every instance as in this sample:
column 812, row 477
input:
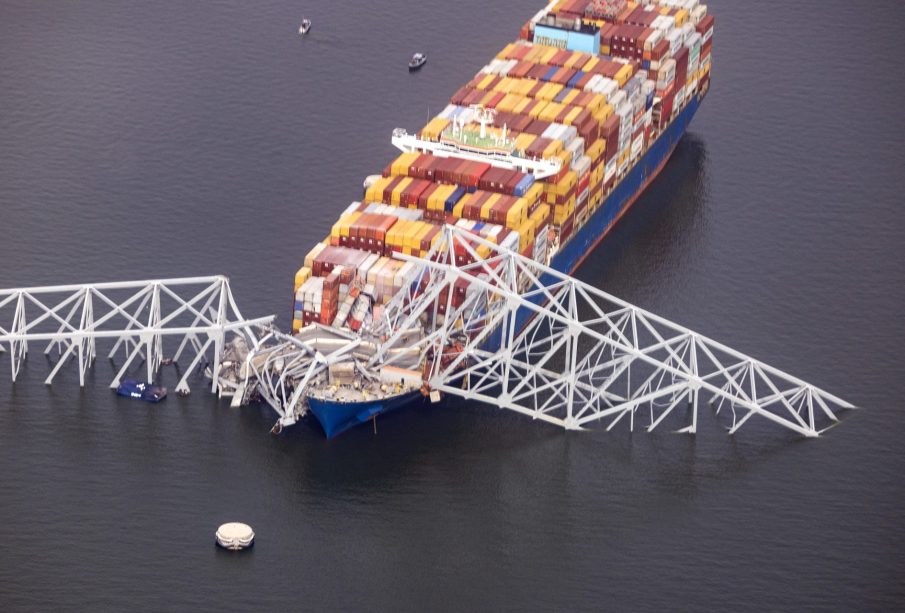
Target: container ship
column 541, row 152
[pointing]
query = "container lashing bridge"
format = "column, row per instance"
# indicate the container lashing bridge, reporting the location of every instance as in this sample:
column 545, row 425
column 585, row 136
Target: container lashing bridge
column 524, row 337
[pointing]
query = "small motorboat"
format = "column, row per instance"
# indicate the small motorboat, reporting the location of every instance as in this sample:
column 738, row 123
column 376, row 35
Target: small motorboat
column 141, row 390
column 306, row 25
column 417, row 61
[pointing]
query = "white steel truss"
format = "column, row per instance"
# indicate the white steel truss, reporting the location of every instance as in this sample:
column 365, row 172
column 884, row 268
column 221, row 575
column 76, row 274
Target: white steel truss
column 533, row 340
column 135, row 316
column 279, row 368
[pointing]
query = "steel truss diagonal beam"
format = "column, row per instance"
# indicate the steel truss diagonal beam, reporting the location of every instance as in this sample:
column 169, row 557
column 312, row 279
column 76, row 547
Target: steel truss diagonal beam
column 134, row 316
column 533, row 340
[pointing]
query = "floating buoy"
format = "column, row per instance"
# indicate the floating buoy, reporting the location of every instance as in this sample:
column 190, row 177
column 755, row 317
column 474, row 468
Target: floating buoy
column 235, row 536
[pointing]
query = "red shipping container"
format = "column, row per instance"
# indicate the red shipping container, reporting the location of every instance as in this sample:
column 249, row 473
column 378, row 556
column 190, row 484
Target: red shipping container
column 661, row 50
column 681, row 66
column 705, row 27
column 521, row 69
column 460, row 95
column 388, row 190
column 474, row 173
column 538, row 71
column 537, row 127
column 474, row 97
column 563, row 75
column 418, row 168
column 425, row 195
column 584, row 81
column 561, row 57
column 495, row 100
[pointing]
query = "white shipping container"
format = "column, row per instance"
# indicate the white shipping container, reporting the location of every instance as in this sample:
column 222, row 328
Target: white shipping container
column 609, row 170
column 553, row 131
column 637, row 146
column 582, row 166
column 511, row 241
column 592, row 82
column 698, row 13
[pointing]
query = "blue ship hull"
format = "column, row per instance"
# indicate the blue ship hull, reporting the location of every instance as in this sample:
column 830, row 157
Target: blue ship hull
column 337, row 417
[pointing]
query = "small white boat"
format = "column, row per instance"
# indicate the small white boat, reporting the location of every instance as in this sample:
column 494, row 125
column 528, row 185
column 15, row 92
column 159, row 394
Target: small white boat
column 306, row 25
column 417, row 61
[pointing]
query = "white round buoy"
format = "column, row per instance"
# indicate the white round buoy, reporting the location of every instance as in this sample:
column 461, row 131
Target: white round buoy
column 235, row 536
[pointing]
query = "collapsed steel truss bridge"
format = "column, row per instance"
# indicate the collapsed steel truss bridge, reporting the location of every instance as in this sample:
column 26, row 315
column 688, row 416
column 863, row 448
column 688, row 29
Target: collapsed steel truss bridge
column 523, row 337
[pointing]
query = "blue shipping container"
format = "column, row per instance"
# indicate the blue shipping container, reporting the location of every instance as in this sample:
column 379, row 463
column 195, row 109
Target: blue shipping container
column 450, row 203
column 574, row 80
column 522, row 187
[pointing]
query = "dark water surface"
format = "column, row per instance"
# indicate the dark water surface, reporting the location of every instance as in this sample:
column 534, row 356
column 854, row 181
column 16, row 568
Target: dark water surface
column 155, row 139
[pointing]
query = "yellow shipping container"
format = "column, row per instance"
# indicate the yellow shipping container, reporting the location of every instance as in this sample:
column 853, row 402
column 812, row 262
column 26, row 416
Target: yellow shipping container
column 681, row 17
column 488, row 204
column 552, row 149
column 509, row 102
column 302, row 275
column 505, row 53
column 401, row 236
column 534, row 193
column 561, row 212
column 345, row 223
column 570, row 117
column 396, row 196
column 296, row 325
column 541, row 213
column 624, row 74
column 596, row 151
column 536, row 52
column 400, row 166
column 603, row 113
column 460, row 206
column 517, row 214
column 486, row 81
column 566, row 183
column 501, row 85
column 596, row 103
column 488, row 97
column 433, row 129
column 537, row 109
column 375, row 192
column 551, row 111
column 576, row 60
column 591, row 63
column 549, row 55
column 396, row 234
column 423, row 230
column 570, row 96
column 523, row 87
column 524, row 140
column 550, row 91
column 525, row 236
column 437, row 199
